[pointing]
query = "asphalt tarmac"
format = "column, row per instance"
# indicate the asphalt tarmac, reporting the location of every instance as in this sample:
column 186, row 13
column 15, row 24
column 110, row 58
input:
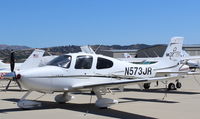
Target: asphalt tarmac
column 134, row 103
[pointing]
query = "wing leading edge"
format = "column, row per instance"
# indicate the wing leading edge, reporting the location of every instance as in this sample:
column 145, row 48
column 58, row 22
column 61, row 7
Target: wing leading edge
column 117, row 83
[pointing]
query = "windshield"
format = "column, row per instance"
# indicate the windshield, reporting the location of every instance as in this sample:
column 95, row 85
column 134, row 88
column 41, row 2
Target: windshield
column 61, row 61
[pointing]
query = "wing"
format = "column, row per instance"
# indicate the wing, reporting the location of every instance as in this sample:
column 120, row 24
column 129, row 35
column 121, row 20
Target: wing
column 193, row 73
column 117, row 83
column 191, row 58
column 169, row 73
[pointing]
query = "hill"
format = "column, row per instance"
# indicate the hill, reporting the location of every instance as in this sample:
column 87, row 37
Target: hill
column 14, row 47
column 22, row 52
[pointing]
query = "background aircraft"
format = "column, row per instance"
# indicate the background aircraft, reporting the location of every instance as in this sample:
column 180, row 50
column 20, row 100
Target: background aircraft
column 173, row 52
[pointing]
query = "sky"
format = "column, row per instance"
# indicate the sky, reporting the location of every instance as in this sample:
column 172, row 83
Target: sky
column 47, row 23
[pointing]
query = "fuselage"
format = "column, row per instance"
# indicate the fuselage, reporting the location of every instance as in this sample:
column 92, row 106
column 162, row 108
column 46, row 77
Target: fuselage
column 67, row 71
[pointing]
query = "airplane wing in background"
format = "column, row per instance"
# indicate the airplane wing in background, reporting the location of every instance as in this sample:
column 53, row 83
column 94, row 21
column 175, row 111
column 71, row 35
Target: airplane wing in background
column 191, row 58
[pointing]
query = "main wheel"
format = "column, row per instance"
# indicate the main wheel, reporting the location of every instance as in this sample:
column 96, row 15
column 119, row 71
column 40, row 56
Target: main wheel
column 146, row 86
column 178, row 85
column 171, row 86
column 60, row 99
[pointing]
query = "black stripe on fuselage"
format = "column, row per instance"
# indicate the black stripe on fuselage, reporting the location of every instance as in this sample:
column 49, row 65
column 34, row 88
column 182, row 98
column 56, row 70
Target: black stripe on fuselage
column 84, row 76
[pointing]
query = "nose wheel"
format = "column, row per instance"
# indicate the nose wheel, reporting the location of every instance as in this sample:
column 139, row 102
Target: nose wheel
column 103, row 103
column 28, row 104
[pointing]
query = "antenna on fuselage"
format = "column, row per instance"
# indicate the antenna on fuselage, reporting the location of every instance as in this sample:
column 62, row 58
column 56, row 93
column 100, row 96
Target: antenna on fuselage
column 146, row 54
column 97, row 48
column 156, row 53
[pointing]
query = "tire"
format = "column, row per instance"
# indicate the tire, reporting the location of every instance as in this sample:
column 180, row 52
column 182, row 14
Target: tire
column 146, row 86
column 92, row 93
column 178, row 85
column 171, row 86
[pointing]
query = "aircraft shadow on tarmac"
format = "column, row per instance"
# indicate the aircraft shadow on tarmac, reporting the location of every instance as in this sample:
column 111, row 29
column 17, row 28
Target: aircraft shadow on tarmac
column 161, row 90
column 13, row 90
column 84, row 108
column 146, row 100
column 158, row 90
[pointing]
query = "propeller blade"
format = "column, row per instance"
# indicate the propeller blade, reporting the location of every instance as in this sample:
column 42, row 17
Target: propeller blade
column 8, row 85
column 12, row 61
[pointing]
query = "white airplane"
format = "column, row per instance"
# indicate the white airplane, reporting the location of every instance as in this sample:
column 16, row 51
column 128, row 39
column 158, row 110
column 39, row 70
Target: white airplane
column 36, row 54
column 36, row 59
column 193, row 64
column 85, row 71
column 173, row 53
column 6, row 67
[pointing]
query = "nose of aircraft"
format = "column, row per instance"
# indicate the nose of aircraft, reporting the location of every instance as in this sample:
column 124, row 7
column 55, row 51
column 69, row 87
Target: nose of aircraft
column 40, row 72
column 38, row 77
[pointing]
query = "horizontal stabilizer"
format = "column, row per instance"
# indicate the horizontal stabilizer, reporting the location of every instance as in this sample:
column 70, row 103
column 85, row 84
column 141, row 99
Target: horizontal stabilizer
column 190, row 58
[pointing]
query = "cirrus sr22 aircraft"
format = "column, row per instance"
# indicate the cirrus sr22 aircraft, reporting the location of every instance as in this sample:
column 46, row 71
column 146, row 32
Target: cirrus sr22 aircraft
column 85, row 71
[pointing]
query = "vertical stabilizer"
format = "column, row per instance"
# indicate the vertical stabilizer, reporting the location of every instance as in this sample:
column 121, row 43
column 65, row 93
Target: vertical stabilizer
column 127, row 55
column 174, row 48
column 87, row 49
column 33, row 60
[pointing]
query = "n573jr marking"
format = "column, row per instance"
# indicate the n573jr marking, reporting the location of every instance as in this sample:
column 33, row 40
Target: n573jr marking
column 138, row 70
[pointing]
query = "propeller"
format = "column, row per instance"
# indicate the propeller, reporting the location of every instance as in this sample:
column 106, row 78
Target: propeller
column 12, row 61
column 12, row 67
column 198, row 63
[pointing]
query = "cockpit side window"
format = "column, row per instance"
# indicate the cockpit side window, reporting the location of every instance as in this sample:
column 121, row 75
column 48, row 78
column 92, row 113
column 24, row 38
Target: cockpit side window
column 61, row 61
column 84, row 62
column 103, row 63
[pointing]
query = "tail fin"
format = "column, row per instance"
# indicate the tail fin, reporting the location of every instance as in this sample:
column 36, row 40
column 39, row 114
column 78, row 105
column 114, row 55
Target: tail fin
column 174, row 48
column 87, row 49
column 127, row 55
column 33, row 60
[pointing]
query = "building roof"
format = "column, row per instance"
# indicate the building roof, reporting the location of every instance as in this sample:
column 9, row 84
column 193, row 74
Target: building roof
column 191, row 46
column 115, row 50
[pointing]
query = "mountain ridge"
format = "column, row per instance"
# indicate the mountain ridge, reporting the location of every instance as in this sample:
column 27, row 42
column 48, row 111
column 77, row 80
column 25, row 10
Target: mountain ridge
column 22, row 52
column 14, row 47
